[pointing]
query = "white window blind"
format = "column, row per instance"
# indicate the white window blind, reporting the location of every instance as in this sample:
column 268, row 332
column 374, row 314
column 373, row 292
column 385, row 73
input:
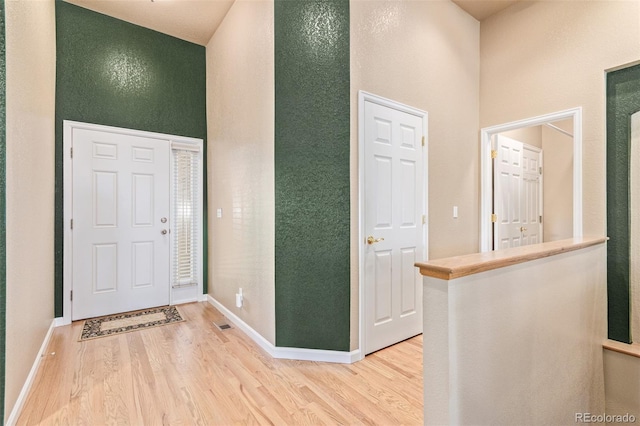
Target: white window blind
column 185, row 216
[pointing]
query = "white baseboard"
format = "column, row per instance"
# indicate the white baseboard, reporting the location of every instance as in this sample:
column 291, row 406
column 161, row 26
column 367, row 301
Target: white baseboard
column 60, row 321
column 184, row 301
column 17, row 408
column 301, row 354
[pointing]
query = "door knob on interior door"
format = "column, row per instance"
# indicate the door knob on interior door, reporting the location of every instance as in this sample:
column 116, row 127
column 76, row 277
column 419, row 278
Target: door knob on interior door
column 164, row 232
column 522, row 229
column 372, row 240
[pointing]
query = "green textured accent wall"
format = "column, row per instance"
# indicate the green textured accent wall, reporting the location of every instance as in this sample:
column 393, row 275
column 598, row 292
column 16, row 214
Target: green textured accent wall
column 114, row 73
column 3, row 210
column 623, row 99
column 312, row 278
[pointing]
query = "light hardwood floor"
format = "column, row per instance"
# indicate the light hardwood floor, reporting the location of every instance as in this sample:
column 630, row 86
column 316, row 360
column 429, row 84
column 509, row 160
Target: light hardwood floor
column 192, row 373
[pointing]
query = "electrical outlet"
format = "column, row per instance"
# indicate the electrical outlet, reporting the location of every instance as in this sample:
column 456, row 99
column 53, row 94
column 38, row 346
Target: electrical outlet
column 239, row 298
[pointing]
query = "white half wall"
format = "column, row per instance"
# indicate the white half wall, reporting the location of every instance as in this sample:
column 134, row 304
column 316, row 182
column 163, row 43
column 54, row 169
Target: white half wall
column 517, row 345
column 622, row 383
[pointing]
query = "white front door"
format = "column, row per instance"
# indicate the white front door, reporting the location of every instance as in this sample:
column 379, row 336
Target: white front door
column 517, row 194
column 120, row 223
column 394, row 194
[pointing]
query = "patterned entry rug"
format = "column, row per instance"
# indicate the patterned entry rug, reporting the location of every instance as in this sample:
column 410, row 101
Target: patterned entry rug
column 130, row 321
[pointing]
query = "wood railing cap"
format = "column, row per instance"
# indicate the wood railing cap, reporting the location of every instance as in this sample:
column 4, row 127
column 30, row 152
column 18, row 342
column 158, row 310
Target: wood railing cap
column 460, row 266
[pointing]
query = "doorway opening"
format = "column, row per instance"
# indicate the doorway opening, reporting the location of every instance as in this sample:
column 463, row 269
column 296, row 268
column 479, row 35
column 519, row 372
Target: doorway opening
column 133, row 214
column 489, row 134
column 393, row 220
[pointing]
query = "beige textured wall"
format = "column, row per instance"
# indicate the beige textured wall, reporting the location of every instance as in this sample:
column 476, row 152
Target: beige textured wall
column 30, row 44
column 240, row 120
column 424, row 54
column 558, row 184
column 542, row 57
column 529, row 135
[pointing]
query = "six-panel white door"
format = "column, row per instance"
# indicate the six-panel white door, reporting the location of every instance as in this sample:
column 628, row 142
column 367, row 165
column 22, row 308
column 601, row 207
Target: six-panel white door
column 508, row 193
column 517, row 194
column 394, row 206
column 120, row 223
column 532, row 194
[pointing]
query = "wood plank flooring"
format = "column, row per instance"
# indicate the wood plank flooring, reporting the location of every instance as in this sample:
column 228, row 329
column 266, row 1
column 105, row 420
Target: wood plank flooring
column 192, row 373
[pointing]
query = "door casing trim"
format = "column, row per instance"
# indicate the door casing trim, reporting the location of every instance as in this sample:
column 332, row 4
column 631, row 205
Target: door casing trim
column 486, row 233
column 369, row 97
column 67, row 263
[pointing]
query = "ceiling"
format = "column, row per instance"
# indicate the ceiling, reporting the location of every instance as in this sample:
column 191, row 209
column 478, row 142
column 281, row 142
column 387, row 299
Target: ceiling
column 191, row 20
column 197, row 20
column 482, row 9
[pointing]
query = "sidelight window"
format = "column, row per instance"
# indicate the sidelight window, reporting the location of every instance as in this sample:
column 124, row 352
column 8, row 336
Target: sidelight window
column 186, row 209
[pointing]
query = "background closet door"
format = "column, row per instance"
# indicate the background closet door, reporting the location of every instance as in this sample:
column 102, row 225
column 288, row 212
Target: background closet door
column 517, row 194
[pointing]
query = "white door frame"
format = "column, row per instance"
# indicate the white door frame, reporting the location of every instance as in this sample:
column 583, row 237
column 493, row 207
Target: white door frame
column 368, row 97
column 486, row 233
column 67, row 264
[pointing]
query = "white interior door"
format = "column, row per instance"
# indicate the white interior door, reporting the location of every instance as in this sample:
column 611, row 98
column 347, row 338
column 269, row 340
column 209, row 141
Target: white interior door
column 508, row 193
column 121, row 240
column 394, row 194
column 532, row 194
column 517, row 194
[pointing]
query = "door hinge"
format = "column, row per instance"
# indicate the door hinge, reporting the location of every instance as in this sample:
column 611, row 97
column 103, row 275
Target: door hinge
column 494, row 217
column 71, row 223
column 494, row 153
column 71, row 295
column 540, row 218
column 423, row 142
column 540, row 169
column 71, row 150
column 424, row 219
